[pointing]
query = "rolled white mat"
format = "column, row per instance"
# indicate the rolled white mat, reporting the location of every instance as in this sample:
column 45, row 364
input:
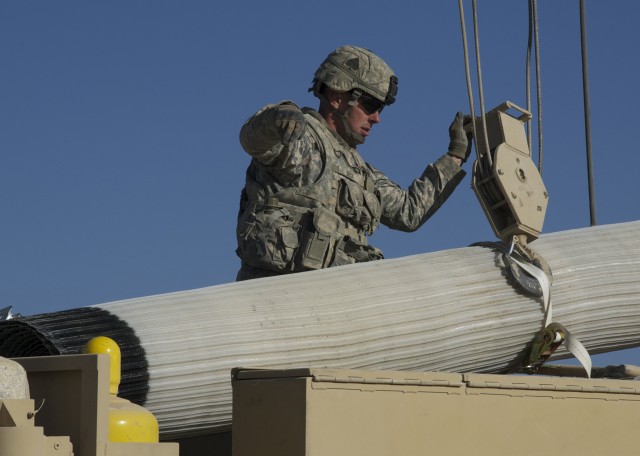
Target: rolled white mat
column 453, row 310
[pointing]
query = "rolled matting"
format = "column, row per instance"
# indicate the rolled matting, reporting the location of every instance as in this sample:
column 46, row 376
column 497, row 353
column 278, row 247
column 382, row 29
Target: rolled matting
column 455, row 310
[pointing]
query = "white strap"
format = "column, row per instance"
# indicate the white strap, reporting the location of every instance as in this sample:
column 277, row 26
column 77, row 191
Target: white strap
column 572, row 343
column 543, row 280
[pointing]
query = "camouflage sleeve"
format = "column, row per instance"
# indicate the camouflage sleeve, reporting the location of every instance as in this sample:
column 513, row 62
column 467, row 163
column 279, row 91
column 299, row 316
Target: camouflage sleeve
column 259, row 135
column 297, row 164
column 407, row 210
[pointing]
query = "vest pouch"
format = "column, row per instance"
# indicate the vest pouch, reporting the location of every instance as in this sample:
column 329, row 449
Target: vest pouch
column 359, row 206
column 350, row 251
column 340, row 257
column 270, row 239
column 317, row 239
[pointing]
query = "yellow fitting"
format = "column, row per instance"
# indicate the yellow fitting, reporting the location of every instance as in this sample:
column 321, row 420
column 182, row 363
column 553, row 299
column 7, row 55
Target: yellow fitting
column 102, row 344
column 128, row 422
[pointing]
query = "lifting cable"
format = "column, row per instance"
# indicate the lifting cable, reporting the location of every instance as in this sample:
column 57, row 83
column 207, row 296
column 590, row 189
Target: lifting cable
column 528, row 74
column 587, row 121
column 533, row 29
column 479, row 73
column 533, row 36
column 552, row 334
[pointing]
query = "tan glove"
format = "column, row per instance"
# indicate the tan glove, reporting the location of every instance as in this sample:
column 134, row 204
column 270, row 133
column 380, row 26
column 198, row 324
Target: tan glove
column 460, row 141
column 290, row 121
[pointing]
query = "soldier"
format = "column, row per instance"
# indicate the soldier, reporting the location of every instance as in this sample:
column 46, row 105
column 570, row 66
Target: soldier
column 310, row 200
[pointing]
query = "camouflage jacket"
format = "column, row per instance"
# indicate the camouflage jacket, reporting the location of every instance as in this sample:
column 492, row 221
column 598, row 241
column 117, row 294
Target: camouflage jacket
column 311, row 204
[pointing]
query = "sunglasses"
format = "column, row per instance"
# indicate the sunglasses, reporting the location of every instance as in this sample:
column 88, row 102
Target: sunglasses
column 370, row 105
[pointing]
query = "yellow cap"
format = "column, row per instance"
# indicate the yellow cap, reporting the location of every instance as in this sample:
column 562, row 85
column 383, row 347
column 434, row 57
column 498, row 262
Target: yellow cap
column 100, row 345
column 128, row 422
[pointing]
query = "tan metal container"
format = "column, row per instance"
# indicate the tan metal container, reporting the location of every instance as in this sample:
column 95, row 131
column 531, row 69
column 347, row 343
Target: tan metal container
column 74, row 393
column 350, row 412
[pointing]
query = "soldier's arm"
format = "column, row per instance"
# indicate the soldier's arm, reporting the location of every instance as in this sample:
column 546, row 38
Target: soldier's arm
column 408, row 209
column 266, row 134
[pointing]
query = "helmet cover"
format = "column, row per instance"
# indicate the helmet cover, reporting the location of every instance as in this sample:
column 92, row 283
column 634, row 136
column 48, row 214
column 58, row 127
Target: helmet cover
column 350, row 67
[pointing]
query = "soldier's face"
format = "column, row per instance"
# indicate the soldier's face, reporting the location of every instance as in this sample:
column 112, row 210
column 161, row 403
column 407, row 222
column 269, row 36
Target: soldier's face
column 361, row 116
column 362, row 121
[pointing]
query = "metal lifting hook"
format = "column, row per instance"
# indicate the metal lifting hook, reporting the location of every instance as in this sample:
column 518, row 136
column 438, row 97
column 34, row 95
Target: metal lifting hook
column 525, row 253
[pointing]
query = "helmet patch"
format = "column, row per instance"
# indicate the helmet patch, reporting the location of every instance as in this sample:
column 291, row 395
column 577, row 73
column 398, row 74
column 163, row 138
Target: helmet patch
column 353, row 63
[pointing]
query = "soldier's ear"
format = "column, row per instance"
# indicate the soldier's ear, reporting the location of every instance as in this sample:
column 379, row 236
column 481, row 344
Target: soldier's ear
column 334, row 98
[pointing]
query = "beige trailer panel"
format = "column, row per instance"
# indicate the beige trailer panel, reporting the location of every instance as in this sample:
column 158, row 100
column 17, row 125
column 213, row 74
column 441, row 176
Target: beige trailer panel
column 73, row 391
column 319, row 412
column 20, row 437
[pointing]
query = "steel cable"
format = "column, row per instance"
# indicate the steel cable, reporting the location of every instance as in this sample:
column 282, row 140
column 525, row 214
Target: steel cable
column 528, row 73
column 534, row 9
column 465, row 50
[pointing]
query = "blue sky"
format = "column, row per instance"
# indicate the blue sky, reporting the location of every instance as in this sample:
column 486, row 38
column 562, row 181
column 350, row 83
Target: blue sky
column 121, row 169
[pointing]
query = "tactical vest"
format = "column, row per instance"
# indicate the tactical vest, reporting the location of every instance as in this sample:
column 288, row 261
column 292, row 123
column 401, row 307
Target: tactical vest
column 319, row 225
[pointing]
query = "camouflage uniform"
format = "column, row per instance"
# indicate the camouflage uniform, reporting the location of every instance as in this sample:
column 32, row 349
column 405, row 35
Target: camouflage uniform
column 312, row 204
column 310, row 200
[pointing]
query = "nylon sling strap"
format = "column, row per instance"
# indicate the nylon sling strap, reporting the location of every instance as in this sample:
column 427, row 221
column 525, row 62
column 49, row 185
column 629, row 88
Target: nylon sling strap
column 571, row 342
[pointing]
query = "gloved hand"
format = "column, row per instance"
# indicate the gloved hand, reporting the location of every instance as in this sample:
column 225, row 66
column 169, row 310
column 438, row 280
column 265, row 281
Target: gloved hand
column 290, row 120
column 460, row 141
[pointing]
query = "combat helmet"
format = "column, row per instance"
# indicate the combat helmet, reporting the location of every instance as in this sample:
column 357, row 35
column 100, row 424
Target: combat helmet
column 359, row 71
column 354, row 68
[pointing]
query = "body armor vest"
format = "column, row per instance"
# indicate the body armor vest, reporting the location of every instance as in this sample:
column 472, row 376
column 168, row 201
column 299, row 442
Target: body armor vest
column 322, row 224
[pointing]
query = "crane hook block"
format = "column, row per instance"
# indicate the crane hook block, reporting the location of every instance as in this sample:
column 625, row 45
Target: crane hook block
column 505, row 179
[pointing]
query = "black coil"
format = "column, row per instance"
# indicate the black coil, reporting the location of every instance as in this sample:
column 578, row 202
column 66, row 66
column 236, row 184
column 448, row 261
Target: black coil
column 66, row 333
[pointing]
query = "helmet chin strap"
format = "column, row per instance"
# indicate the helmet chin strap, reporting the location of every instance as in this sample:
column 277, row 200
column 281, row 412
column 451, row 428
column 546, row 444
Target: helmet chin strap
column 353, row 138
